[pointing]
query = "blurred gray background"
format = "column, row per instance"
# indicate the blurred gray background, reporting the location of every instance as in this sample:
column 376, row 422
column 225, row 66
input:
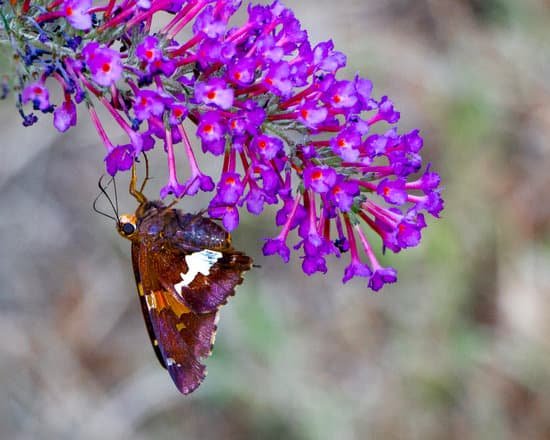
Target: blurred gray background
column 457, row 349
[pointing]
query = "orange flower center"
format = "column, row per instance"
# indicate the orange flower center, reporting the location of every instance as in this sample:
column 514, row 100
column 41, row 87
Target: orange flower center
column 317, row 175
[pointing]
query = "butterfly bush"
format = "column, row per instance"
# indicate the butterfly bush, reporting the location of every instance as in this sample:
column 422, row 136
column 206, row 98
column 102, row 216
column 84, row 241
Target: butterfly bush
column 265, row 104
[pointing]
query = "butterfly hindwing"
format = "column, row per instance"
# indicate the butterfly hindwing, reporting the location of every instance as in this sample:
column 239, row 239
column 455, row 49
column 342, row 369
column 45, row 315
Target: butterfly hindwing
column 208, row 278
column 193, row 257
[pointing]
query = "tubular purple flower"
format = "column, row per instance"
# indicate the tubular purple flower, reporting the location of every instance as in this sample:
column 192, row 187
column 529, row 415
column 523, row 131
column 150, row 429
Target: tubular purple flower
column 38, row 94
column 76, row 13
column 343, row 193
column 148, row 103
column 64, row 116
column 393, row 191
column 173, row 186
column 212, row 130
column 197, row 180
column 104, row 64
column 215, row 92
column 120, row 158
column 230, row 188
column 310, row 115
column 355, row 267
column 267, row 147
column 346, row 145
column 149, row 51
column 242, row 72
column 277, row 246
column 380, row 275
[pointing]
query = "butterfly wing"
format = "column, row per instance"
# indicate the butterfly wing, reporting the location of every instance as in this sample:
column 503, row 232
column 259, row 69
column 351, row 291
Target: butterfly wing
column 180, row 337
column 207, row 278
column 196, row 260
column 142, row 300
column 185, row 269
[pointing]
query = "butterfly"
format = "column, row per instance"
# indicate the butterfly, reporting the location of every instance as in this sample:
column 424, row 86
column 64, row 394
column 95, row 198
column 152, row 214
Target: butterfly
column 185, row 269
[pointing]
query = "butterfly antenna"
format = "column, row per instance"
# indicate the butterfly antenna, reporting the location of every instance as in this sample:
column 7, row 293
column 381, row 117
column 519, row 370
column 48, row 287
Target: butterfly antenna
column 103, row 192
column 94, row 207
column 116, row 198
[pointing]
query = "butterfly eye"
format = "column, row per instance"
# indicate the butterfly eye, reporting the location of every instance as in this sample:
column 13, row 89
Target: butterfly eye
column 128, row 229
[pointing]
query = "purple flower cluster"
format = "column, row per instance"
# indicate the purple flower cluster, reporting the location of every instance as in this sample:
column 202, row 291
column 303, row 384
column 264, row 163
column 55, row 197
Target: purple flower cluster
column 265, row 101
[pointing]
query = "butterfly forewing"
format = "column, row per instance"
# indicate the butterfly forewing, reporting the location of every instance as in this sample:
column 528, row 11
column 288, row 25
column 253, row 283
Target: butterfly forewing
column 185, row 269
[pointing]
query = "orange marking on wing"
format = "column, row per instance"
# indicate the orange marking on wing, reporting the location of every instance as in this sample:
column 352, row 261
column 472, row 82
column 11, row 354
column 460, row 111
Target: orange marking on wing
column 160, row 300
column 177, row 307
column 155, row 300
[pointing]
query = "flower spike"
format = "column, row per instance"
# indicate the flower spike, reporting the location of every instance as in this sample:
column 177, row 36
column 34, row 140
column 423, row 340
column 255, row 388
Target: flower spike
column 267, row 105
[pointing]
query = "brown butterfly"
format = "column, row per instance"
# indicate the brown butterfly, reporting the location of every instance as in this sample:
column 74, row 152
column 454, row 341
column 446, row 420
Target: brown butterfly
column 185, row 269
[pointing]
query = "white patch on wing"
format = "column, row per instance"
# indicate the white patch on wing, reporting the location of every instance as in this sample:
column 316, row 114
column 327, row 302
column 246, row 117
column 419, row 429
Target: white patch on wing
column 198, row 262
column 151, row 302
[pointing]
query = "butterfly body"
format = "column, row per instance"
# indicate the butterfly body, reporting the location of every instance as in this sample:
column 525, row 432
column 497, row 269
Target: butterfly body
column 185, row 269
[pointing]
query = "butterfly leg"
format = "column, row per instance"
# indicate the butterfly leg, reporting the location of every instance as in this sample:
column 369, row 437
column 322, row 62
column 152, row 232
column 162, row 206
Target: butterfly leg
column 138, row 195
column 146, row 159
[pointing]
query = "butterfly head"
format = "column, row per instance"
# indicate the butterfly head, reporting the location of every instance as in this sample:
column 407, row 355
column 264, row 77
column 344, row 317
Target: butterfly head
column 127, row 225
